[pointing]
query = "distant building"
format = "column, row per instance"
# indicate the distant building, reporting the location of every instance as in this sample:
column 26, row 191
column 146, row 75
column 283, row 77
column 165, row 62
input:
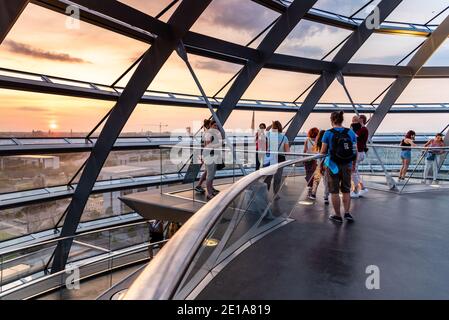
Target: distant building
column 44, row 162
column 110, row 200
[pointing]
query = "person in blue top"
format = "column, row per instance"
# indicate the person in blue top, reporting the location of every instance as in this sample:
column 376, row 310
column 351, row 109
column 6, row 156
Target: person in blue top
column 340, row 147
column 277, row 142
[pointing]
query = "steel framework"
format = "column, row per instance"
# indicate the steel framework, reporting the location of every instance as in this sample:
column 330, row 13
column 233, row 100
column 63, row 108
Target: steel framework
column 161, row 49
column 423, row 54
column 9, row 13
column 281, row 29
column 351, row 46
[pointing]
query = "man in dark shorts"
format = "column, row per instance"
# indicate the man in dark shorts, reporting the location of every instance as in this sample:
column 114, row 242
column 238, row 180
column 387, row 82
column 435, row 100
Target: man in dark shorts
column 340, row 148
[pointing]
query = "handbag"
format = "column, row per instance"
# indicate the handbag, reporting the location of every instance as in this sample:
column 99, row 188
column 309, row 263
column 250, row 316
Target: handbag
column 430, row 156
column 281, row 157
column 220, row 166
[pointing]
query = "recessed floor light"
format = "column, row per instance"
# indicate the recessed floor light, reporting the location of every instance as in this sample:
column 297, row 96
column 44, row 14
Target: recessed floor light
column 305, row 203
column 211, row 242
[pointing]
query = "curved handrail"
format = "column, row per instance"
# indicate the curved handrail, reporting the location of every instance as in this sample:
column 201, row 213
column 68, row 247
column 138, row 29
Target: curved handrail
column 386, row 146
column 167, row 269
column 200, row 148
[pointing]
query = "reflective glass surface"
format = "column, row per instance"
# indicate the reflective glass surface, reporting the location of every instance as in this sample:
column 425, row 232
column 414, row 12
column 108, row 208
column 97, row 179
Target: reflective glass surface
column 61, row 46
column 234, row 20
column 307, row 40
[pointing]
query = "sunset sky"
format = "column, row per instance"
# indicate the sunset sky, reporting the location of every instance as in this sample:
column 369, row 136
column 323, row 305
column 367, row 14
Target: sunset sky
column 39, row 42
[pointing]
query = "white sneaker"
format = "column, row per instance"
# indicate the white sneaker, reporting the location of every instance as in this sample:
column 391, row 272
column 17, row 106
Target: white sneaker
column 354, row 195
column 363, row 192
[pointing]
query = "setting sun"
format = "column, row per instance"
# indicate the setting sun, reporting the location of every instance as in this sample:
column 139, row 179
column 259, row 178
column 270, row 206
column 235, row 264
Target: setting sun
column 53, row 125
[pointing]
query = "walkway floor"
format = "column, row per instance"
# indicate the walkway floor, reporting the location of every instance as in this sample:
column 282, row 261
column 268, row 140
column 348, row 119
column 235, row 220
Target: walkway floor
column 406, row 236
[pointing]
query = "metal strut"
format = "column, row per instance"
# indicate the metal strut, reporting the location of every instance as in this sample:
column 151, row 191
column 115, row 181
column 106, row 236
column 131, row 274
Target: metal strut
column 183, row 55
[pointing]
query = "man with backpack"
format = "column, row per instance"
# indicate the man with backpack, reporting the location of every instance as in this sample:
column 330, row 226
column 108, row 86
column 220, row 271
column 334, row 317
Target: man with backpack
column 340, row 147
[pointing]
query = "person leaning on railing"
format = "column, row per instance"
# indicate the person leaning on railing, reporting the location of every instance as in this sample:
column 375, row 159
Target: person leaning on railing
column 432, row 157
column 406, row 154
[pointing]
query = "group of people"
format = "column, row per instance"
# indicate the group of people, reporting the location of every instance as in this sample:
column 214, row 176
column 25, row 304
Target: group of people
column 271, row 146
column 268, row 136
column 344, row 149
column 315, row 172
column 432, row 156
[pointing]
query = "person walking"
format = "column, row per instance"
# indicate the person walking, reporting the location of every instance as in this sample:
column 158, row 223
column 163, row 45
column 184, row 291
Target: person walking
column 261, row 145
column 406, row 153
column 340, row 148
column 362, row 149
column 211, row 139
column 199, row 187
column 310, row 166
column 433, row 157
column 359, row 127
column 278, row 143
column 319, row 171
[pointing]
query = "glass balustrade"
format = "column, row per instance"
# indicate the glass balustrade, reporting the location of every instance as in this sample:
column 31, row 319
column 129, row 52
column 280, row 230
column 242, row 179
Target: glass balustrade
column 247, row 208
column 25, row 272
column 382, row 166
column 261, row 205
column 264, row 204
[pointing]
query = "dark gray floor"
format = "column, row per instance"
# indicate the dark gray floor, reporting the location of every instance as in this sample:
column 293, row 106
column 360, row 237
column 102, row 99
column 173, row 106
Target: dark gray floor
column 406, row 236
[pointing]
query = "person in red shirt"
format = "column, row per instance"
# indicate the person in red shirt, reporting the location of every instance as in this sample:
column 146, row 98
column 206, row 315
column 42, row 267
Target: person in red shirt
column 359, row 126
column 310, row 166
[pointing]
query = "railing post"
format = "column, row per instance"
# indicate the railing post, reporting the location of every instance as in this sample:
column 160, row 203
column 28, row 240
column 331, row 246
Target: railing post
column 390, row 181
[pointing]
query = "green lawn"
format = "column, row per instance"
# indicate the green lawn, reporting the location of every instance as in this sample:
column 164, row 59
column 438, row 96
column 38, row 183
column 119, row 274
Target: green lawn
column 4, row 236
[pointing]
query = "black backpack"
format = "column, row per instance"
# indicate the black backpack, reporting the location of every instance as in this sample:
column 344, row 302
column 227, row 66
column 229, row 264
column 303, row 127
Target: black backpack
column 342, row 151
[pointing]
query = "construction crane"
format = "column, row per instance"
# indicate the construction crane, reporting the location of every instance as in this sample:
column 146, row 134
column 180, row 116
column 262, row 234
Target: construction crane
column 160, row 125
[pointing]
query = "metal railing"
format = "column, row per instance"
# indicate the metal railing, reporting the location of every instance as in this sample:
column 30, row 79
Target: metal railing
column 37, row 280
column 389, row 163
